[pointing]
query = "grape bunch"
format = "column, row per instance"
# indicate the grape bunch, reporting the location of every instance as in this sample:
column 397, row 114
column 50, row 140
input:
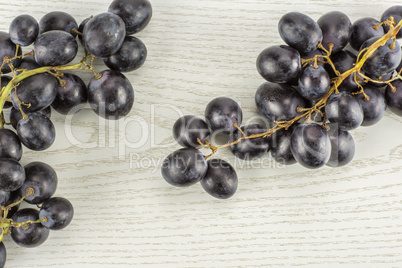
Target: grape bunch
column 38, row 81
column 330, row 77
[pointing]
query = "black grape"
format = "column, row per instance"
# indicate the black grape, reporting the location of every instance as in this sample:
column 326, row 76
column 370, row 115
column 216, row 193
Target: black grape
column 373, row 109
column 362, row 30
column 221, row 179
column 184, row 167
column 37, row 132
column 57, row 20
column 81, row 29
column 111, row 96
column 300, row 31
column 4, row 82
column 14, row 197
column 221, row 113
column 16, row 116
column 28, row 63
column 336, row 29
column 384, row 77
column 12, row 175
column 4, row 196
column 23, row 30
column 280, row 146
column 343, row 61
column 311, row 55
column 396, row 12
column 8, row 48
column 249, row 148
column 394, row 99
column 342, row 146
column 58, row 211
column 314, row 83
column 188, row 129
column 10, row 145
column 3, row 255
column 279, row 64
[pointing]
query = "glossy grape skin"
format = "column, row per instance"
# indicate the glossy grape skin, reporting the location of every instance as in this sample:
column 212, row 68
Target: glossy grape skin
column 10, row 145
column 12, row 175
column 313, row 83
column 112, row 96
column 396, row 12
column 129, row 57
column 374, row 108
column 310, row 145
column 279, row 64
column 4, row 82
column 28, row 63
column 55, row 48
column 184, row 167
column 57, row 20
column 342, row 146
column 35, row 235
column 37, row 132
column 58, row 211
column 300, row 31
column 344, row 110
column 3, row 255
column 221, row 179
column 394, row 99
column 81, row 28
column 136, row 14
column 278, row 102
column 343, row 61
column 8, row 48
column 221, row 113
column 249, row 148
column 104, row 34
column 4, row 196
column 23, row 30
column 336, row 28
column 188, row 129
column 280, row 147
column 362, row 30
column 16, row 116
column 38, row 90
column 384, row 60
column 73, row 93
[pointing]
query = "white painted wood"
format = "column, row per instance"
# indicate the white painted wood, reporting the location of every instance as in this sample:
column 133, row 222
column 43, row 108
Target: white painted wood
column 128, row 216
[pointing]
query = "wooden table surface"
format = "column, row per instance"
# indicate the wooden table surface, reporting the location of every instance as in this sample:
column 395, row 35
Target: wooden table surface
column 126, row 215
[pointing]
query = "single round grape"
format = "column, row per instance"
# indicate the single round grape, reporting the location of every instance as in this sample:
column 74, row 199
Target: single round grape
column 345, row 110
column 362, row 30
column 336, row 29
column 8, row 48
column 279, row 64
column 23, row 30
column 4, row 82
column 313, row 83
column 396, row 13
column 221, row 179
column 12, row 175
column 394, row 99
column 4, row 196
column 129, row 57
column 3, row 255
column 278, row 102
column 342, row 146
column 310, row 145
column 374, row 108
column 188, row 129
column 57, row 20
column 300, row 31
column 58, row 211
column 28, row 63
column 184, row 167
column 37, row 132
column 16, row 116
column 221, row 113
column 104, row 34
column 14, row 197
column 343, row 61
column 81, row 28
column 68, row 96
column 111, row 96
column 33, row 234
column 280, row 146
column 10, row 145
column 136, row 14
column 384, row 60
column 249, row 148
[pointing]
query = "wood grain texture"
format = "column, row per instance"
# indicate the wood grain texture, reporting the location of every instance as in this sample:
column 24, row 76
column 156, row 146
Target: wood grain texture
column 126, row 215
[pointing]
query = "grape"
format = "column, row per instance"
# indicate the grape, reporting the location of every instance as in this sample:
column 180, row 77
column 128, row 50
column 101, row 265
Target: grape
column 81, row 29
column 336, row 29
column 104, row 34
column 278, row 102
column 32, row 236
column 23, row 30
column 394, row 99
column 300, row 31
column 38, row 90
column 28, row 63
column 136, row 14
column 280, row 146
column 3, row 255
column 221, row 179
column 111, row 96
column 57, row 20
column 37, row 132
column 396, row 12
column 184, row 167
column 384, row 77
column 55, row 48
column 345, row 110
column 249, row 148
column 373, row 109
column 342, row 146
column 313, row 83
column 12, row 175
column 58, row 211
column 221, row 113
column 343, row 61
column 16, row 116
column 188, row 129
column 8, row 48
column 10, row 145
column 73, row 93
column 310, row 145
column 4, row 196
column 362, row 30
column 14, row 197
column 384, row 60
column 311, row 55
column 4, row 81
column 279, row 64
column 129, row 57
